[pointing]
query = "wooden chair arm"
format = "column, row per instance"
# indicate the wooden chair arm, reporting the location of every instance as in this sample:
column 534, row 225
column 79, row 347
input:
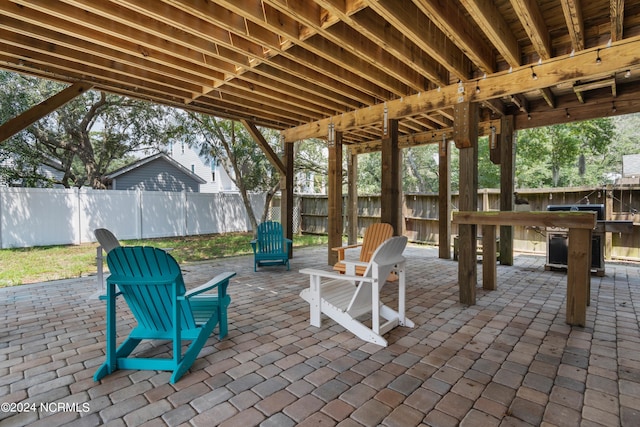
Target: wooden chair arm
column 341, row 250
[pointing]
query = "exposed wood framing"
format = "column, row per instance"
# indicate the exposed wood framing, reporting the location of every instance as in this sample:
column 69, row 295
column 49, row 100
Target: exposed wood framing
column 334, row 222
column 568, row 68
column 444, row 200
column 264, row 145
column 468, row 201
column 32, row 115
column 573, row 15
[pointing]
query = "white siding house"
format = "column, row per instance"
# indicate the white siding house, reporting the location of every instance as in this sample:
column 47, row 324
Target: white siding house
column 214, row 175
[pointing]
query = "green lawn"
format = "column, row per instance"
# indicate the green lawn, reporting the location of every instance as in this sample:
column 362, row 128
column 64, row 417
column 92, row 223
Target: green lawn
column 30, row 265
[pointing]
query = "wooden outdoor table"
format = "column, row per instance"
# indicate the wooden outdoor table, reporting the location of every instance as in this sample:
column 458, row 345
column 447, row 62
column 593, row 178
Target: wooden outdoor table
column 580, row 225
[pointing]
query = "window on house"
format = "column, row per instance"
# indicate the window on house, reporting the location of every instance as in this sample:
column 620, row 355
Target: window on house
column 213, row 170
column 193, row 168
column 182, row 147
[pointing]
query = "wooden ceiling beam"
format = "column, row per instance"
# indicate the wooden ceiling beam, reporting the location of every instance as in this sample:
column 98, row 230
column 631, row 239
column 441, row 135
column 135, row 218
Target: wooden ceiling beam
column 228, row 44
column 617, row 19
column 548, row 97
column 299, row 62
column 593, row 107
column 346, row 38
column 531, row 19
column 461, row 31
column 568, row 68
column 492, row 23
column 63, row 61
column 67, row 56
column 424, row 138
column 118, row 29
column 407, row 18
column 375, row 28
column 318, row 53
column 575, row 24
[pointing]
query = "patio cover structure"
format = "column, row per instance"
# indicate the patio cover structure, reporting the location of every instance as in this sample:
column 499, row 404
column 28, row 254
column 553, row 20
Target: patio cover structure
column 363, row 75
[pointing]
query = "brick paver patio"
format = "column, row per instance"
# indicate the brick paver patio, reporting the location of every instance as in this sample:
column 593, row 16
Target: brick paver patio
column 510, row 360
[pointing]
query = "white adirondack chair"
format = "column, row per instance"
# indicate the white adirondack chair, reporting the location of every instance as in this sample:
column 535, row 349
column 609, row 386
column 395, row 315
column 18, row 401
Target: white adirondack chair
column 107, row 241
column 335, row 295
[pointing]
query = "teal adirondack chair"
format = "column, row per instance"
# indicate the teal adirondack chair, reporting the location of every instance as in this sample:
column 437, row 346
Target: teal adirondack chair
column 270, row 247
column 151, row 283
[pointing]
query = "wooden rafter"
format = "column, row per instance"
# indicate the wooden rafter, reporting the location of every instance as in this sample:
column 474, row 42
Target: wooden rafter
column 530, row 16
column 424, row 34
column 496, row 29
column 460, row 30
column 284, row 64
column 573, row 15
column 617, row 19
column 613, row 59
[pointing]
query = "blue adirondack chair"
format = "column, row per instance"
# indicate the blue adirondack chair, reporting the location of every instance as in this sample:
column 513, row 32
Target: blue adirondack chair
column 270, row 247
column 151, row 283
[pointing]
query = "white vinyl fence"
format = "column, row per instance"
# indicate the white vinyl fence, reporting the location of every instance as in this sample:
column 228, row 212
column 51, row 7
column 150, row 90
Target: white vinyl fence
column 38, row 217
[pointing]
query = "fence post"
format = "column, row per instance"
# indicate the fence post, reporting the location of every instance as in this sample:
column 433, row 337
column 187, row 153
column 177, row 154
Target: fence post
column 184, row 213
column 78, row 223
column 139, row 213
column 2, row 195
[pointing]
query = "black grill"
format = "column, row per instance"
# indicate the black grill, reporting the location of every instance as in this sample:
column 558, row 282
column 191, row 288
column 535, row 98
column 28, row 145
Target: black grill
column 557, row 239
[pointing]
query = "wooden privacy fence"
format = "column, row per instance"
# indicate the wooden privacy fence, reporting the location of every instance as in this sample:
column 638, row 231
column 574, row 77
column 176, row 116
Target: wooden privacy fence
column 421, row 215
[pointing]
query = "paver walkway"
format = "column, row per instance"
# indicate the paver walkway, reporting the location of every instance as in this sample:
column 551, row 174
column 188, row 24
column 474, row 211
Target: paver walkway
column 510, row 360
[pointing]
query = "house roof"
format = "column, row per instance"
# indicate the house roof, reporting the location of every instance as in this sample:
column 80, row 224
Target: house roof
column 159, row 156
column 304, row 67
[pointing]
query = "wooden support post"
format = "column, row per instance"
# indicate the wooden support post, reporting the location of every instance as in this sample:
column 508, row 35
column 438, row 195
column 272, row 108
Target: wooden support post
column 444, row 200
column 489, row 270
column 352, row 209
column 507, row 178
column 286, row 189
column 334, row 222
column 466, row 139
column 391, row 205
column 608, row 215
column 578, row 275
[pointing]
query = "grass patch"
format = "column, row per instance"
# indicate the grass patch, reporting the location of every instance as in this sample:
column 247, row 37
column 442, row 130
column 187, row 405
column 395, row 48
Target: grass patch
column 30, row 265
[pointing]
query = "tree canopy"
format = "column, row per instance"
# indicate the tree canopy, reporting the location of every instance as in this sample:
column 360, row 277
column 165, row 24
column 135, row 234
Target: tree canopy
column 84, row 139
column 564, row 155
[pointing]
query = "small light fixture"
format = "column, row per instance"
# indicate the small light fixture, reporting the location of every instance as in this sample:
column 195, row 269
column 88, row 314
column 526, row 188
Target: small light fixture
column 613, row 107
column 627, row 74
column 598, row 59
column 477, row 88
column 534, row 76
column 566, row 110
column 528, row 116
